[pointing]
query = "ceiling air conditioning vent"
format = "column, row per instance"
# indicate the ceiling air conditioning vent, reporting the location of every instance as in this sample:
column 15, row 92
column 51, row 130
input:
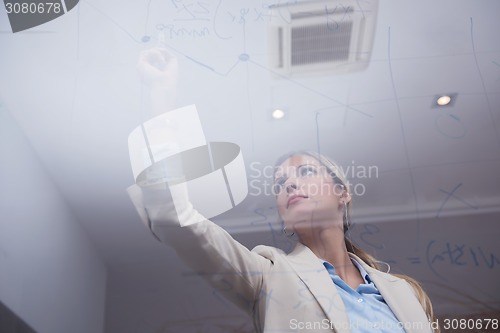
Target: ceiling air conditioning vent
column 322, row 37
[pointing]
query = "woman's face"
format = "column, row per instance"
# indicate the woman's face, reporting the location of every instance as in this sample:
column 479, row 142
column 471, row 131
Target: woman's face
column 306, row 193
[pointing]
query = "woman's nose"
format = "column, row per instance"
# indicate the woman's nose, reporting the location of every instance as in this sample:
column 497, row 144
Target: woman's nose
column 290, row 188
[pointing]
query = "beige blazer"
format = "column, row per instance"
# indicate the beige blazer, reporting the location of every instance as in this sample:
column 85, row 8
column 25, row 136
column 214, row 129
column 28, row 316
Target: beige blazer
column 282, row 293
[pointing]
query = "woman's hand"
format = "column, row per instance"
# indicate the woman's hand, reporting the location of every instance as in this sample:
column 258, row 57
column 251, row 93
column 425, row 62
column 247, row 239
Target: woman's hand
column 158, row 68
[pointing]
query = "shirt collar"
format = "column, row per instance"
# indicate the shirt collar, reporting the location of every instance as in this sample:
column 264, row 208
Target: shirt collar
column 360, row 268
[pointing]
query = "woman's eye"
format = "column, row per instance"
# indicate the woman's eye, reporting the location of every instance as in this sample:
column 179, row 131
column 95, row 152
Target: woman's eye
column 307, row 170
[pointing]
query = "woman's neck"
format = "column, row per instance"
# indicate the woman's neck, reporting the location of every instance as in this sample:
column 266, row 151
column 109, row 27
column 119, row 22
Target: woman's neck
column 329, row 244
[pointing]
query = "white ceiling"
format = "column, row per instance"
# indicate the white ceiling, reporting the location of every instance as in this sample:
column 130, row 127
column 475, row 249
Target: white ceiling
column 73, row 87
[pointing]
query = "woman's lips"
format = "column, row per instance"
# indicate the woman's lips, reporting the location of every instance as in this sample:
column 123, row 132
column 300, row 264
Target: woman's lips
column 294, row 199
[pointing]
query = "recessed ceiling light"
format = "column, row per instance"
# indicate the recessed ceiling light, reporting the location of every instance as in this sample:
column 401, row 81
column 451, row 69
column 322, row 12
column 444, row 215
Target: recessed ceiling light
column 444, row 100
column 278, row 114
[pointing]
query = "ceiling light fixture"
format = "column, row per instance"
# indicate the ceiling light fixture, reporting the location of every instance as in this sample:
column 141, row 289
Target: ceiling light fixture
column 444, row 100
column 278, row 114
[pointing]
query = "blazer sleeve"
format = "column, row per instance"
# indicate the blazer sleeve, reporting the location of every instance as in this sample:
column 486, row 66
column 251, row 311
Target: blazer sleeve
column 209, row 250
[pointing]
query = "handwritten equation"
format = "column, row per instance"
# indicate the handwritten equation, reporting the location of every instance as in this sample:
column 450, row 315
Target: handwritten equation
column 458, row 254
column 198, row 19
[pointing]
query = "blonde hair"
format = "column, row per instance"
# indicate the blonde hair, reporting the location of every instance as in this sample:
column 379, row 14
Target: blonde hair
column 339, row 178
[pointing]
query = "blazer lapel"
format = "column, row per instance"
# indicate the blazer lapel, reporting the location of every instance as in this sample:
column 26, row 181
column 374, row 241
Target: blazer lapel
column 399, row 296
column 314, row 275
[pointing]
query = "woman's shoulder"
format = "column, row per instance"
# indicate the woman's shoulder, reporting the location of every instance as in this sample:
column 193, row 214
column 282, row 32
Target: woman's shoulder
column 269, row 252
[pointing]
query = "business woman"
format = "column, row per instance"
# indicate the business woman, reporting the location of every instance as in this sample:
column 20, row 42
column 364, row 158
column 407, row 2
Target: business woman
column 326, row 284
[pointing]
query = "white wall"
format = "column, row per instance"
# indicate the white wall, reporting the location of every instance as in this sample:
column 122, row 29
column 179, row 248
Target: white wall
column 50, row 274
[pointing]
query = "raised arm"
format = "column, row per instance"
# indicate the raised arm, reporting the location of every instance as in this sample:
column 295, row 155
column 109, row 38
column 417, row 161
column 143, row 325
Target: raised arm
column 166, row 209
column 207, row 248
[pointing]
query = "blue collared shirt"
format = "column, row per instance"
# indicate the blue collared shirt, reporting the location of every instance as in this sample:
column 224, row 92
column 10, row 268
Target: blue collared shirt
column 365, row 307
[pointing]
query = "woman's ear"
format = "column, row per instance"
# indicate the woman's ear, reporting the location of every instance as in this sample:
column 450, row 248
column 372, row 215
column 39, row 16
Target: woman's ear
column 345, row 197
